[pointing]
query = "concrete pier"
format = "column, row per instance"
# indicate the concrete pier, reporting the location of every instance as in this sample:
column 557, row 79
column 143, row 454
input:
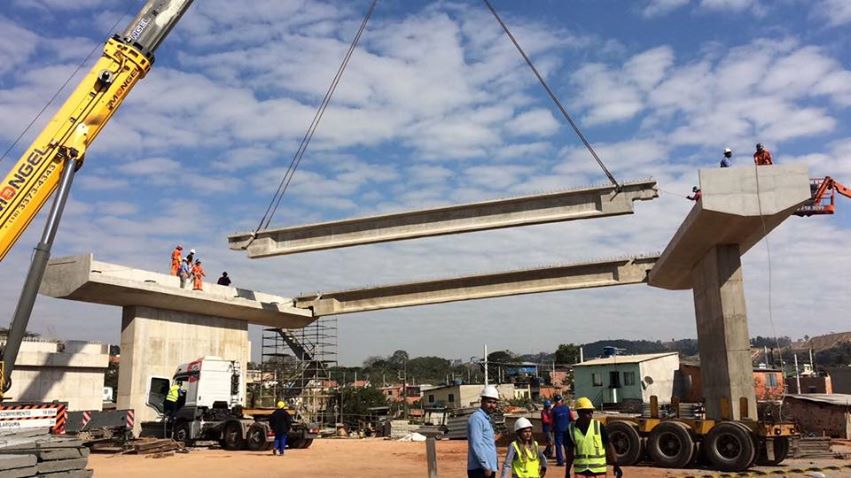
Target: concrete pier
column 585, row 203
column 739, row 207
column 163, row 325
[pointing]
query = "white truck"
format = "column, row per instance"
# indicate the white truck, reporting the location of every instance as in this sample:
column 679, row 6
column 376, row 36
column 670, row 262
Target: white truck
column 212, row 409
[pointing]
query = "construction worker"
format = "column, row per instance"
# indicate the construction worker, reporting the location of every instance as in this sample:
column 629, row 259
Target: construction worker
column 561, row 421
column 176, row 256
column 524, row 459
column 762, row 156
column 197, row 276
column 280, row 421
column 588, row 448
column 184, row 272
column 727, row 160
column 696, row 194
column 547, row 427
column 224, row 279
column 170, row 404
column 481, row 440
column 191, row 256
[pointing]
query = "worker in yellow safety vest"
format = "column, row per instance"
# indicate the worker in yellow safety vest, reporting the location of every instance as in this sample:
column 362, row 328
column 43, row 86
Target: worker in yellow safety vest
column 524, row 458
column 170, row 404
column 587, row 445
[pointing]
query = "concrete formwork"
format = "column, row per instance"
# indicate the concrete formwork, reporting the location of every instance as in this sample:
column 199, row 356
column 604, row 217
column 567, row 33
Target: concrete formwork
column 586, row 203
column 739, row 207
column 164, row 325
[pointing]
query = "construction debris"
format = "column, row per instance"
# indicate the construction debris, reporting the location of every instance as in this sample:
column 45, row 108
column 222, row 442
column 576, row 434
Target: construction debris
column 157, row 446
column 811, row 447
column 34, row 453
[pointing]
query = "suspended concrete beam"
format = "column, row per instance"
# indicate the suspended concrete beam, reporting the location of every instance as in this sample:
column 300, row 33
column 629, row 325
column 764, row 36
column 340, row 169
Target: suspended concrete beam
column 567, row 277
column 586, row 203
column 738, row 208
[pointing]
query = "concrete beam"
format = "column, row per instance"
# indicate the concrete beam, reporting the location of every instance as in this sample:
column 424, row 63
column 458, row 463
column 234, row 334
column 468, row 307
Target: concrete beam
column 576, row 276
column 587, row 203
column 739, row 206
column 83, row 279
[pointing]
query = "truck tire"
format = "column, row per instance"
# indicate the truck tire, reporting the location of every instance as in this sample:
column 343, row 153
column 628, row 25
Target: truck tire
column 255, row 439
column 628, row 445
column 182, row 433
column 781, row 451
column 232, row 437
column 670, row 445
column 729, row 446
column 306, row 443
column 296, row 443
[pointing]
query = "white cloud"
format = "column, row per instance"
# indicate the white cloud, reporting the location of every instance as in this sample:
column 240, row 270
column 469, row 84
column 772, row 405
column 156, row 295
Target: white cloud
column 656, row 8
column 16, row 45
column 835, row 12
column 537, row 122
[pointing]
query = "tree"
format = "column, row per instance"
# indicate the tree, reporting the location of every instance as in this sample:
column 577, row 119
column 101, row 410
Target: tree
column 358, row 400
column 398, row 360
column 567, row 354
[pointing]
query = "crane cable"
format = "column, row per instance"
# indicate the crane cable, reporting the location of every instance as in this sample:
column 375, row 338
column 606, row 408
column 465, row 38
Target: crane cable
column 553, row 96
column 305, row 141
column 65, row 84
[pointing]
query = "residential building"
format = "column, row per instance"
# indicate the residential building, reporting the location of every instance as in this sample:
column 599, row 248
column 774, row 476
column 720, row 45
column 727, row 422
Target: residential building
column 821, row 414
column 463, row 395
column 812, row 384
column 840, row 379
column 612, row 380
column 769, row 383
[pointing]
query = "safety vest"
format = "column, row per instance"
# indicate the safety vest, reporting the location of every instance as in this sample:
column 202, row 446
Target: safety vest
column 589, row 452
column 526, row 464
column 173, row 393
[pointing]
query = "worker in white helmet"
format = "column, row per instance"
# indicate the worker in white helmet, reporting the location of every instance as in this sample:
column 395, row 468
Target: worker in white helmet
column 524, row 458
column 727, row 160
column 481, row 439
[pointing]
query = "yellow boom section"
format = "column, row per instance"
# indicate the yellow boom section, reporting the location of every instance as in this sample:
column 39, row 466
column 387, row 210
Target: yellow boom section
column 36, row 175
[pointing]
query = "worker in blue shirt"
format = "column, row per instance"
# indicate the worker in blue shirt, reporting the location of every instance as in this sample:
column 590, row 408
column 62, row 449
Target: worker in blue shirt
column 727, row 160
column 561, row 422
column 481, row 440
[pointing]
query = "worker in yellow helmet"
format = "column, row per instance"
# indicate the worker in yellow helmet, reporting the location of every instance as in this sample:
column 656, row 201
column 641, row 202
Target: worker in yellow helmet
column 524, row 459
column 587, row 445
column 280, row 421
column 171, row 403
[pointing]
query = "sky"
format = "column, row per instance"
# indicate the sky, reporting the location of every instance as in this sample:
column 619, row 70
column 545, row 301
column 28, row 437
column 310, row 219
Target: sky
column 436, row 107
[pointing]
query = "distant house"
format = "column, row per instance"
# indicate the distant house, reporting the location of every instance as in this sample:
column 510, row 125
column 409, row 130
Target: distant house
column 813, row 384
column 393, row 393
column 768, row 383
column 463, row 395
column 821, row 414
column 612, row 380
column 840, row 379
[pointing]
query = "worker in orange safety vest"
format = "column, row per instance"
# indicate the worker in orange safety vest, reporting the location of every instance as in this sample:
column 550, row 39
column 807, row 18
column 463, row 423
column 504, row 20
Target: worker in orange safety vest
column 197, row 275
column 762, row 157
column 176, row 258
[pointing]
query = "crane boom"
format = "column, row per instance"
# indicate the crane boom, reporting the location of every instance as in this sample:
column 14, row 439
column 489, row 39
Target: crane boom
column 126, row 59
column 823, row 199
column 58, row 152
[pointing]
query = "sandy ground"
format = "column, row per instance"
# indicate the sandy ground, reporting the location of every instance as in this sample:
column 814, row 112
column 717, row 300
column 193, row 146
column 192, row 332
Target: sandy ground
column 354, row 458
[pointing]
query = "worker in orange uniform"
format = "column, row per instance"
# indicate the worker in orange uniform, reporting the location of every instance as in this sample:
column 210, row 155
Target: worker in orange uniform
column 762, row 157
column 197, row 274
column 176, row 258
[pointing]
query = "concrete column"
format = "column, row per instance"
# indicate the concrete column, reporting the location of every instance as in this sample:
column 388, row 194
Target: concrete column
column 155, row 341
column 722, row 330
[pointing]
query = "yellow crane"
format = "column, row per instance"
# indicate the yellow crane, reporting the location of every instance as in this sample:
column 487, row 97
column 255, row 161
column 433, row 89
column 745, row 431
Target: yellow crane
column 58, row 152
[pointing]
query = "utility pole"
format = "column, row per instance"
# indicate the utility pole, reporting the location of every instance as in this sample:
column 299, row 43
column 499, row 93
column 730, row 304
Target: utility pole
column 797, row 375
column 486, row 365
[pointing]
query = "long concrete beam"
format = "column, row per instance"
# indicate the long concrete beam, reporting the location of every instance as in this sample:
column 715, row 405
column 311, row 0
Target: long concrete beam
column 84, row 279
column 586, row 203
column 625, row 271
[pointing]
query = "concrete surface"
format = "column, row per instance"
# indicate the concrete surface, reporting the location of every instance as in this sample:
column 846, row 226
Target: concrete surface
column 83, row 279
column 155, row 341
column 723, row 340
column 70, row 372
column 586, row 203
column 568, row 277
column 729, row 213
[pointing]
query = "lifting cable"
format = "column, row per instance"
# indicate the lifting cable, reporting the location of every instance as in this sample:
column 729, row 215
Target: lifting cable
column 305, row 141
column 553, row 96
column 65, row 84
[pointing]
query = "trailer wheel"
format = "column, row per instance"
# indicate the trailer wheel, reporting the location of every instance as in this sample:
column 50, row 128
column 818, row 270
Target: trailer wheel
column 781, row 451
column 296, row 443
column 670, row 445
column 306, row 443
column 730, row 447
column 183, row 433
column 626, row 441
column 255, row 439
column 232, row 437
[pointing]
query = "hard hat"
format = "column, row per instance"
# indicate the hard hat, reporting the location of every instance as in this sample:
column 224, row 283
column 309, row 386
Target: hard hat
column 281, row 404
column 192, row 251
column 558, row 398
column 694, row 189
column 583, row 403
column 547, row 403
column 180, row 246
column 490, row 392
column 759, row 146
column 727, row 150
column 522, row 423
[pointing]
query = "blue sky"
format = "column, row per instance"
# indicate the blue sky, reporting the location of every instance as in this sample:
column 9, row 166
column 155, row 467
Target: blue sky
column 436, row 107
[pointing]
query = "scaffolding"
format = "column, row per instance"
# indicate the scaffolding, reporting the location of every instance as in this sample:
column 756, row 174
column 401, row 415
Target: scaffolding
column 295, row 368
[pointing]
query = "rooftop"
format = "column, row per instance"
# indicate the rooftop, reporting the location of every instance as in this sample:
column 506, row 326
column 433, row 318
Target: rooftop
column 829, row 398
column 624, row 359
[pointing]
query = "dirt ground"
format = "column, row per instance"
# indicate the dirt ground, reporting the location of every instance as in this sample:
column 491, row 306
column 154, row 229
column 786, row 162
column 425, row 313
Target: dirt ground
column 357, row 458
